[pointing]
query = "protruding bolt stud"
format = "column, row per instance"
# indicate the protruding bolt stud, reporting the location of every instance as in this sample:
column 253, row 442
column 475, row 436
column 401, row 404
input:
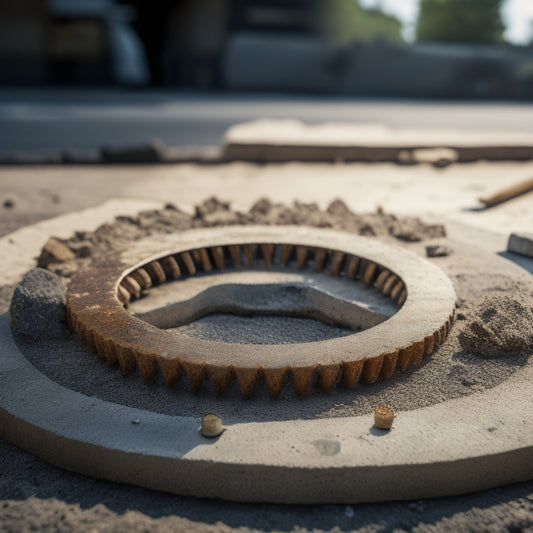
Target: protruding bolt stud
column 383, row 417
column 211, row 426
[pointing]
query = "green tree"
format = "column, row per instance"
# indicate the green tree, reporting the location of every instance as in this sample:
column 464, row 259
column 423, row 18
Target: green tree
column 462, row 21
column 346, row 21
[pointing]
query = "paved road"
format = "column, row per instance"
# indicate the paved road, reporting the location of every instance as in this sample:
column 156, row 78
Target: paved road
column 48, row 120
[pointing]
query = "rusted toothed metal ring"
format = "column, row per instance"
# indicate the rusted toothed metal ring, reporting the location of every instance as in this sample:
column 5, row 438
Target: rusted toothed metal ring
column 96, row 298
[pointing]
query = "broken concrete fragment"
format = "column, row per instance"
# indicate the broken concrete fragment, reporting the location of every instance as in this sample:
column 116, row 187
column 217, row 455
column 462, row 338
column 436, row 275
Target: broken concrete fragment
column 412, row 229
column 438, row 250
column 521, row 243
column 54, row 251
column 38, row 306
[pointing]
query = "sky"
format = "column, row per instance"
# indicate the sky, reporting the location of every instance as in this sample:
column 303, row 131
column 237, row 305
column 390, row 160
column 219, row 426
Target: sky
column 517, row 16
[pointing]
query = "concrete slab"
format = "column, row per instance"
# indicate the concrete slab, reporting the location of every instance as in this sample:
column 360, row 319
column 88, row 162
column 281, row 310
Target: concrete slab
column 269, row 140
column 457, row 446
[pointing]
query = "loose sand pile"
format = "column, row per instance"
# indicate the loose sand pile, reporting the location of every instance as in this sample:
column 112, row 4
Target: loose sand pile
column 214, row 212
column 500, row 325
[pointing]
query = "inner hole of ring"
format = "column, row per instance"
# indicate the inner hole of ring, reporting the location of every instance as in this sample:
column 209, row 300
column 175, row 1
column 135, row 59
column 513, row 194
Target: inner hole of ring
column 263, row 280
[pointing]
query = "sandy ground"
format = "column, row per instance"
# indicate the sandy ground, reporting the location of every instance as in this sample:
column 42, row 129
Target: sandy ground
column 37, row 496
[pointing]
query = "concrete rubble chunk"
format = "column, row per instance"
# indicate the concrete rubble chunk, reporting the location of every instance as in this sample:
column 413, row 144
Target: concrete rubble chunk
column 521, row 243
column 54, row 251
column 438, row 250
column 38, row 306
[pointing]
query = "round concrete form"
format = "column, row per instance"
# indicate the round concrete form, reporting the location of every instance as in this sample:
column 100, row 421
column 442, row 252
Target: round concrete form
column 461, row 445
column 96, row 298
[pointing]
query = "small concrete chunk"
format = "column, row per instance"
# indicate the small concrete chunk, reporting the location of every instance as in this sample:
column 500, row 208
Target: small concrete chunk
column 38, row 306
column 54, row 251
column 521, row 243
column 438, row 250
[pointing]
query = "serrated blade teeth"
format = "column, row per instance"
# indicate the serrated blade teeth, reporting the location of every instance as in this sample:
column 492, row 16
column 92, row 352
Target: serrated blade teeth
column 217, row 253
column 351, row 372
column 372, row 369
column 369, row 274
column 352, row 264
column 286, row 250
column 419, row 349
column 249, row 252
column 188, row 262
column 126, row 359
column 336, row 262
column 389, row 364
column 156, row 272
column 397, row 290
column 389, row 284
column 276, row 379
column 407, row 356
column 429, row 343
column 171, row 267
column 303, row 378
column 195, row 374
column 381, row 279
column 328, row 377
column 320, row 259
column 142, row 278
column 170, row 368
column 268, row 251
column 204, row 260
column 235, row 254
column 146, row 364
column 131, row 286
column 221, row 376
column 301, row 256
column 249, row 379
column 123, row 295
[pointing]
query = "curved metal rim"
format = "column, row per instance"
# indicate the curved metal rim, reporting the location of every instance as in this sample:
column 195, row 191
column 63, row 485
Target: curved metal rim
column 421, row 324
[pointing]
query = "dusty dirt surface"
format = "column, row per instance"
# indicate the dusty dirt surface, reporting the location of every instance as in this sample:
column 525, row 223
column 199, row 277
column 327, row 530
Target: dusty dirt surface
column 35, row 496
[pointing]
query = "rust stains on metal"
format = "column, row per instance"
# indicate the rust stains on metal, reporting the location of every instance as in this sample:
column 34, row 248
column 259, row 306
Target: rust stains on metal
column 97, row 298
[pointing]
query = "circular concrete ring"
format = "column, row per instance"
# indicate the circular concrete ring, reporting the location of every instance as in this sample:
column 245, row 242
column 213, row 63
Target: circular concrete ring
column 459, row 446
column 96, row 298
